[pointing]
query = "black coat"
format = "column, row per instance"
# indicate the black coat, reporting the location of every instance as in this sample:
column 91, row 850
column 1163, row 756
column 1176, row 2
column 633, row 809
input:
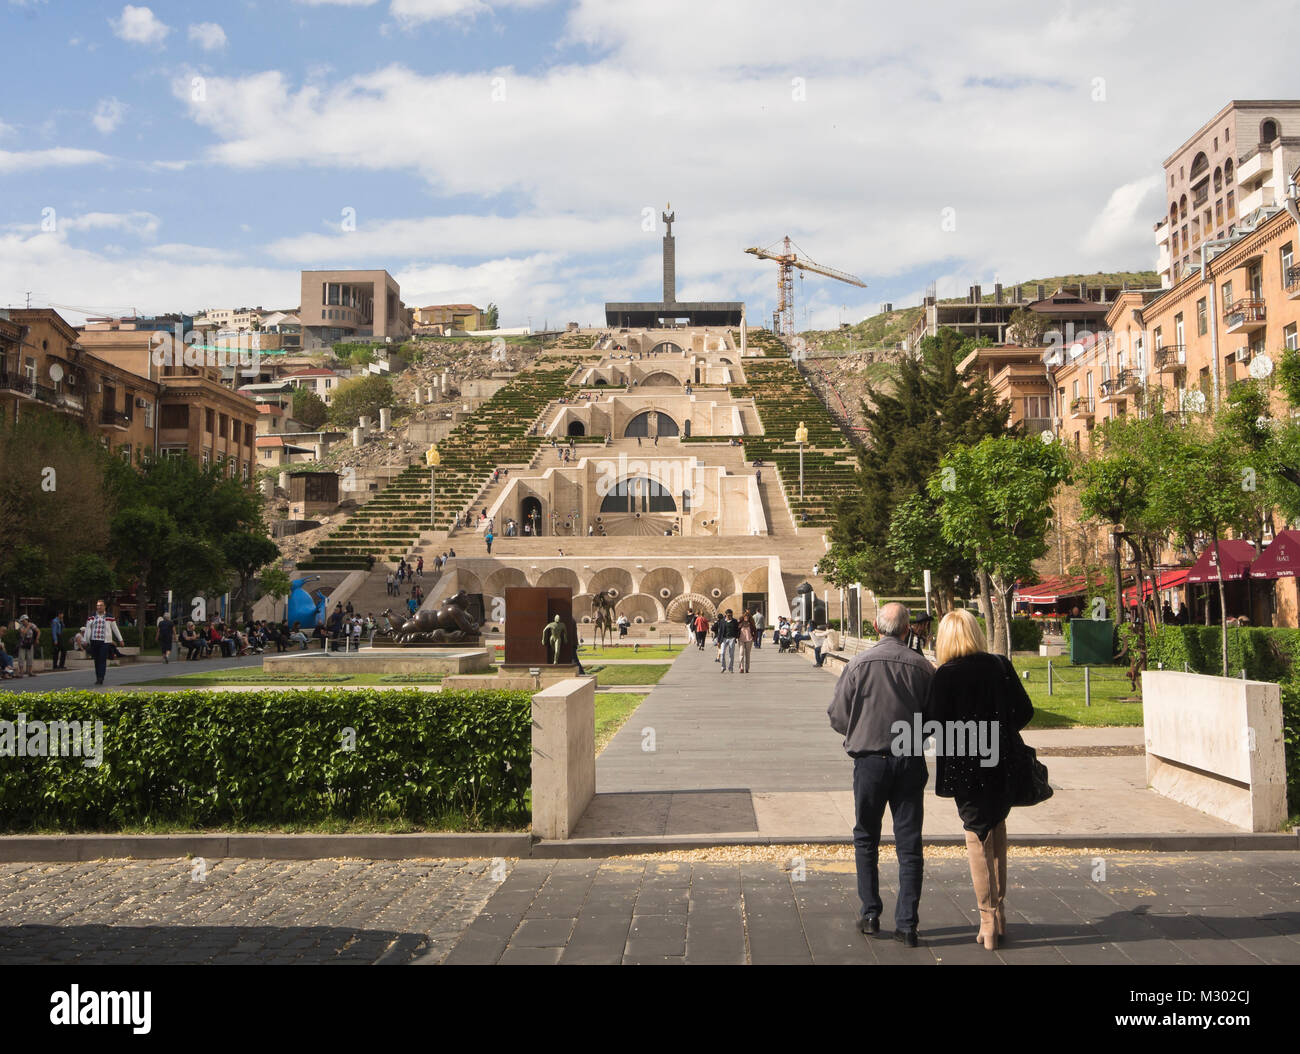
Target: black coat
column 982, row 688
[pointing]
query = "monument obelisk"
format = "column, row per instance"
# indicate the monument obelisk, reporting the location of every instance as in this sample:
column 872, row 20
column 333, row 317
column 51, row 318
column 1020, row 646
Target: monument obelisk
column 670, row 258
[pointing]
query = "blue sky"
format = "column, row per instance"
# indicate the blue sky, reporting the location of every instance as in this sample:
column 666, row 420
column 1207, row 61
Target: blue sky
column 509, row 151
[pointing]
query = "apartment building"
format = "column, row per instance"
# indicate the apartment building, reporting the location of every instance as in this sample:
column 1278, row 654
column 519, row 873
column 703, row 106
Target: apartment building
column 1020, row 378
column 197, row 414
column 1236, row 163
column 46, row 368
column 324, row 382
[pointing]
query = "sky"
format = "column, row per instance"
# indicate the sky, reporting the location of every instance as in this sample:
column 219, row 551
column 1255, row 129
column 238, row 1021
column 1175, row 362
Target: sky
column 189, row 155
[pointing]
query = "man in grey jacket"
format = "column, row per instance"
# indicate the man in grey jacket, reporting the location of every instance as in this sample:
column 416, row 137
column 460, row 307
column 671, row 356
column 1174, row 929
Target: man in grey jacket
column 880, row 686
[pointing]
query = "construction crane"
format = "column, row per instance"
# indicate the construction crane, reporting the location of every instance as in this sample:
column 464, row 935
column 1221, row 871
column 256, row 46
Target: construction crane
column 787, row 261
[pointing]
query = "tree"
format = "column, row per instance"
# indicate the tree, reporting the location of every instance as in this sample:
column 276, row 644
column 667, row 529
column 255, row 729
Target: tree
column 245, row 553
column 1026, row 327
column 931, row 407
column 490, row 317
column 309, row 408
column 360, row 397
column 1204, row 488
column 89, row 578
column 274, row 582
column 995, row 503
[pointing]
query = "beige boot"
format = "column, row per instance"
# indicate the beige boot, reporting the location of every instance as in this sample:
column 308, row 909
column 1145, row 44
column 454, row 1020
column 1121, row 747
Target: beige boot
column 982, row 871
column 999, row 836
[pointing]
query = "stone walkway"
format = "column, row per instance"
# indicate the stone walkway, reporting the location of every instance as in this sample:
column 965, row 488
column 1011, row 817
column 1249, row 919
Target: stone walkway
column 1227, row 909
column 754, row 755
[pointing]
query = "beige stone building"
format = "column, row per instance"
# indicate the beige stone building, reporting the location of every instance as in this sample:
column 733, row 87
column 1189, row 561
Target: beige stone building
column 1236, row 163
column 348, row 305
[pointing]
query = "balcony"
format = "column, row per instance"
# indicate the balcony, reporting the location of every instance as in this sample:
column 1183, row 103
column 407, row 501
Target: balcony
column 1170, row 358
column 1129, row 382
column 114, row 419
column 1258, row 164
column 1293, row 283
column 1245, row 316
column 1038, row 425
column 1081, row 408
column 21, row 384
column 1110, row 392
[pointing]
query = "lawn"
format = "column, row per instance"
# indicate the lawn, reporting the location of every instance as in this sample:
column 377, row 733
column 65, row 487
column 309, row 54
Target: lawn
column 1113, row 700
column 612, row 711
column 631, row 673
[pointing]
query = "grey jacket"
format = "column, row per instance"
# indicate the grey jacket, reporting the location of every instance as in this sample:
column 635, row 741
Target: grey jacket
column 884, row 684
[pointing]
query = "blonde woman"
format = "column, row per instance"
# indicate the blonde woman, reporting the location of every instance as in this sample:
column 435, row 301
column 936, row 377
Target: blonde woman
column 973, row 686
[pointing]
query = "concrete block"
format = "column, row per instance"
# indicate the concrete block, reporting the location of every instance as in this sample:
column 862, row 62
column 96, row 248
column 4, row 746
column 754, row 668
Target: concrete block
column 1215, row 743
column 564, row 755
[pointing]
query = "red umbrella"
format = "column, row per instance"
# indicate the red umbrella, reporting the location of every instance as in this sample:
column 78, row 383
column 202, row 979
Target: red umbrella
column 1236, row 556
column 1281, row 559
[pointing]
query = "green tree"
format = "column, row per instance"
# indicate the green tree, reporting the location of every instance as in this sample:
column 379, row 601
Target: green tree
column 1205, row 489
column 245, row 553
column 490, row 317
column 274, row 582
column 360, row 397
column 309, row 408
column 930, row 407
column 995, row 503
column 88, row 579
column 1026, row 327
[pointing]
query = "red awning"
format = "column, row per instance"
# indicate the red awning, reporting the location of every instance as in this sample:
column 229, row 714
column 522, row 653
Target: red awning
column 1237, row 556
column 1167, row 580
column 1054, row 589
column 1281, row 559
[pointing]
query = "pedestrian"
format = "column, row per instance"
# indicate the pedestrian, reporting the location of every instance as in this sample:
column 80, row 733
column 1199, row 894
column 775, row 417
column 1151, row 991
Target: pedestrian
column 730, row 634
column 100, row 632
column 6, row 663
column 758, row 476
column 412, row 606
column 758, row 629
column 28, row 634
column 701, row 630
column 488, row 539
column 976, row 688
column 818, row 643
column 166, row 635
column 192, row 642
column 419, row 567
column 60, row 655
column 880, row 687
column 622, row 626
column 715, row 634
column 747, row 635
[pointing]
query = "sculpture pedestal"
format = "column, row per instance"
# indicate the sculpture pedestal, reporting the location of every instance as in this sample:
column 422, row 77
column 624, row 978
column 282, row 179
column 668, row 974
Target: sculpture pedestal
column 515, row 678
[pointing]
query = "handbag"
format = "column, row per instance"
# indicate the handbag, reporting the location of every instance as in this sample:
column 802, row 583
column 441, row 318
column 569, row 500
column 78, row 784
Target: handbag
column 1028, row 776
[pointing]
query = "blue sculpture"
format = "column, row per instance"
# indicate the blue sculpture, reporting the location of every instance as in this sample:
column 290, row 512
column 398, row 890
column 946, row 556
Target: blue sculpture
column 305, row 609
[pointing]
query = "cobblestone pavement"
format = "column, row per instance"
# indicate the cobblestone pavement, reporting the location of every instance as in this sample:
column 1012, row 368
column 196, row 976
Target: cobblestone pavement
column 1206, row 908
column 239, row 911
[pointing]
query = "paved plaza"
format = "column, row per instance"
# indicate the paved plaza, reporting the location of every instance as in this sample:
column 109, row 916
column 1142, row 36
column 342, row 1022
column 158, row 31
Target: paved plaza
column 1166, row 909
column 754, row 755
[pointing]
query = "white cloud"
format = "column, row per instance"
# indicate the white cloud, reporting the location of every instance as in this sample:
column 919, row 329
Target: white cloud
column 6, row 129
column 208, row 35
column 1126, row 215
column 142, row 224
column 108, row 114
column 139, row 25
column 337, row 3
column 56, row 157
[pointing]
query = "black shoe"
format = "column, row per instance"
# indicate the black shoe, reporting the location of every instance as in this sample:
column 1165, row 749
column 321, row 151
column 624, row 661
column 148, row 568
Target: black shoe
column 906, row 937
column 869, row 924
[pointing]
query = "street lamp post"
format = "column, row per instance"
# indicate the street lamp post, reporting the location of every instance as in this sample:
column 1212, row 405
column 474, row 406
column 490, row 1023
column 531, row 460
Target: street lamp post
column 801, row 437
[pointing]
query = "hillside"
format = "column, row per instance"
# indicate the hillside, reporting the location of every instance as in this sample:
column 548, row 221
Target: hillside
column 886, row 330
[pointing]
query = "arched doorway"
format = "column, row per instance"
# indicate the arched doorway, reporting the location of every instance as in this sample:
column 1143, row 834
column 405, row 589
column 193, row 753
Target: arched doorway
column 660, row 379
column 666, row 347
column 530, row 515
column 639, row 494
column 642, row 425
column 577, row 428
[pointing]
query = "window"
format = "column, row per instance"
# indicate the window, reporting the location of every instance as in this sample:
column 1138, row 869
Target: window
column 1231, row 207
column 1289, row 340
column 1178, row 329
column 124, row 452
column 148, row 415
column 175, row 415
column 1286, row 257
column 1036, row 406
column 1202, row 317
column 1227, row 296
column 209, row 420
column 221, row 426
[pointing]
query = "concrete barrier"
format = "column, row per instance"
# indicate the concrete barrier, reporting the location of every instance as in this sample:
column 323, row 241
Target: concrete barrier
column 564, row 755
column 1215, row 743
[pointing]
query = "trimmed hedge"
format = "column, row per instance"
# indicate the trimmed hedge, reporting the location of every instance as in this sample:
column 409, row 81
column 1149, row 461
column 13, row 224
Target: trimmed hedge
column 1026, row 634
column 1265, row 652
column 208, row 759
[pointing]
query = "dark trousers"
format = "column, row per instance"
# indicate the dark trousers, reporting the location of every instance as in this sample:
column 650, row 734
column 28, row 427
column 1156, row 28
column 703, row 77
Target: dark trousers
column 99, row 652
column 60, row 655
column 899, row 782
